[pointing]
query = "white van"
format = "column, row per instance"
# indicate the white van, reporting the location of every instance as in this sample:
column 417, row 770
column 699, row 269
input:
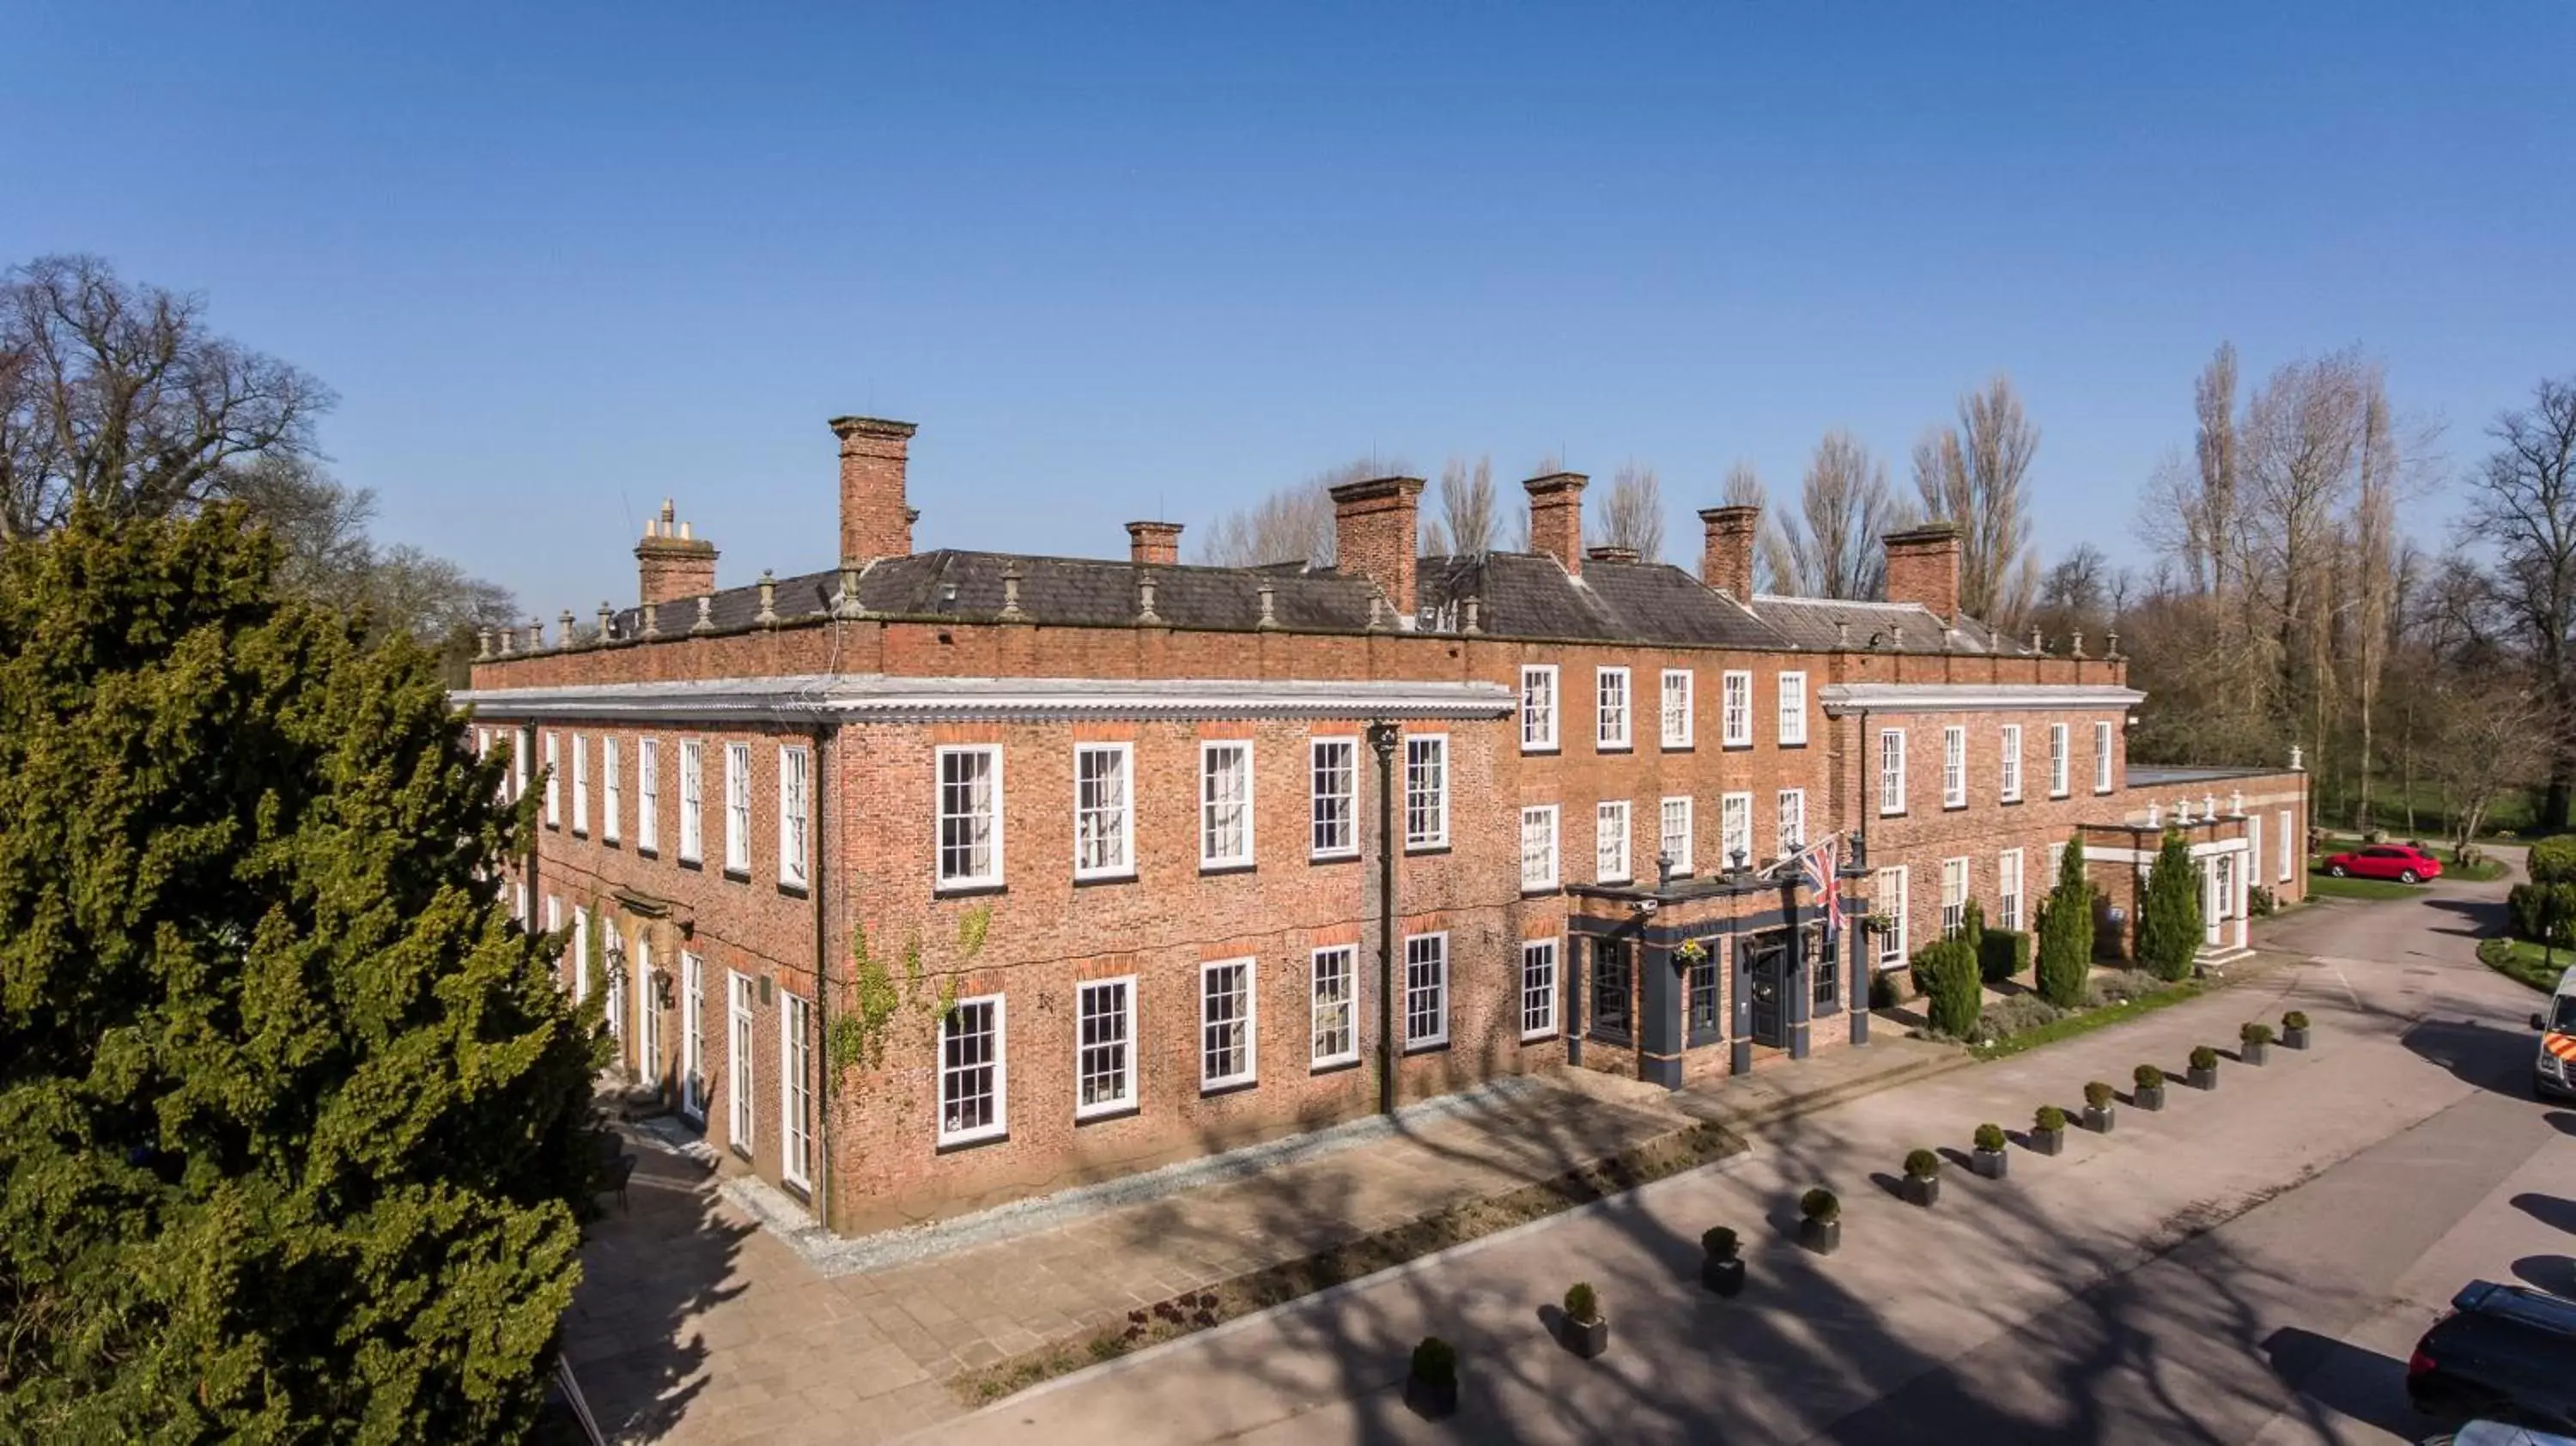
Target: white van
column 2553, row 1070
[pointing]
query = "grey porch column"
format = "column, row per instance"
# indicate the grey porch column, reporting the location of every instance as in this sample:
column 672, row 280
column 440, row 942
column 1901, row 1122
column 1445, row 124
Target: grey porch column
column 1739, row 988
column 1659, row 1016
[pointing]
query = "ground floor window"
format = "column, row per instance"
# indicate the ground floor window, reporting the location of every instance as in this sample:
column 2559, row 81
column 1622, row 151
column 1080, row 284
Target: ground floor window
column 1104, row 1072
column 1336, row 1041
column 1887, row 899
column 1954, row 897
column 1225, row 1024
column 1825, row 969
column 795, row 1098
column 1701, row 996
column 738, row 1058
column 1426, row 990
column 1610, row 988
column 971, row 1078
column 2008, row 890
column 693, row 1037
column 1538, row 988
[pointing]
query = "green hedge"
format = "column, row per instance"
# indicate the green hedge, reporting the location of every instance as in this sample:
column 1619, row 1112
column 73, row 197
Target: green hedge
column 1948, row 972
column 2532, row 908
column 2553, row 861
column 2003, row 954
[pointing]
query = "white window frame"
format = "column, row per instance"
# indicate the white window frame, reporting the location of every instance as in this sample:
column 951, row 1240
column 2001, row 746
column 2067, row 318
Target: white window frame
column 648, row 1019
column 554, row 782
column 522, row 745
column 1610, row 821
column 1891, row 772
column 1433, row 747
column 1437, row 942
column 1000, row 1123
column 648, row 795
column 554, row 924
column 2102, row 751
column 795, row 811
column 1542, row 995
column 2008, row 764
column 1210, row 804
column 580, row 785
column 1539, row 712
column 795, row 1090
column 612, row 800
column 693, row 815
column 1954, row 767
column 1124, row 988
column 2060, row 769
column 737, row 783
column 581, row 956
column 1793, row 709
column 1678, row 701
column 1954, row 896
column 1248, row 1023
column 1735, row 708
column 742, row 1116
column 991, row 875
column 1735, row 829
column 1890, row 944
column 1789, row 825
column 1664, row 833
column 1346, row 966
column 2010, row 886
column 2056, row 862
column 1613, row 717
column 1106, row 829
column 693, row 1037
column 1544, row 879
column 2287, row 848
column 1348, row 798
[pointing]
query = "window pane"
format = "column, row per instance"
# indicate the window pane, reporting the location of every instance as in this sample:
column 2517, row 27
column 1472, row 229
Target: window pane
column 1426, row 989
column 1538, row 987
column 1332, row 1004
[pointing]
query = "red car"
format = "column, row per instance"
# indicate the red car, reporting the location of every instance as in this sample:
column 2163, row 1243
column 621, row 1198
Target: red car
column 2386, row 861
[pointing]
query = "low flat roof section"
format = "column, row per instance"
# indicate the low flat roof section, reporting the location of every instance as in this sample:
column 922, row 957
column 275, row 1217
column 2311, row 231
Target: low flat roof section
column 2160, row 775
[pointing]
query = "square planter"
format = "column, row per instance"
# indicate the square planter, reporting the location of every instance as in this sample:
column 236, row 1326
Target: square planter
column 1923, row 1190
column 1435, row 1399
column 2204, row 1079
column 2047, row 1142
column 2150, row 1097
column 2098, row 1119
column 1587, row 1339
column 2294, row 1039
column 1992, row 1164
column 2255, row 1054
column 1821, row 1236
column 1726, row 1277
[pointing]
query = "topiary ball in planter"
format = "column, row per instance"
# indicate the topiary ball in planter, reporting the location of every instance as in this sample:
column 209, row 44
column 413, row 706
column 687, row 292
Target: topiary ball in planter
column 1922, row 1178
column 1431, row 1387
column 1820, row 1227
column 1990, row 1161
column 2204, row 1068
column 1721, row 1267
column 2048, row 1130
column 2256, row 1041
column 1587, row 1329
column 2097, row 1107
column 2294, row 1030
column 2149, row 1091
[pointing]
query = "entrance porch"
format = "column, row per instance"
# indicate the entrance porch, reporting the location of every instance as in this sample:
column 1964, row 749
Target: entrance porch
column 2120, row 858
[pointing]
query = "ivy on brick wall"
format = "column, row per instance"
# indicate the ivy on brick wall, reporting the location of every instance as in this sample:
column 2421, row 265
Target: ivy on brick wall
column 877, row 1000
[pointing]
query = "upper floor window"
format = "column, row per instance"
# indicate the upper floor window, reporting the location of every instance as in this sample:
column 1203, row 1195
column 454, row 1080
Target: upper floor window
column 1891, row 771
column 1426, row 790
column 2101, row 758
column 1737, row 721
column 692, row 786
column 1336, row 764
column 1675, row 840
column 1104, row 813
column 1793, row 709
column 2057, row 765
column 554, row 779
column 2011, row 746
column 648, row 795
column 970, row 817
column 1677, row 707
column 1735, row 828
column 737, row 782
column 1538, row 708
column 1610, row 842
column 580, row 784
column 1954, row 768
column 1538, row 848
column 1612, row 731
column 795, row 806
column 613, row 799
column 1793, row 820
column 1225, row 805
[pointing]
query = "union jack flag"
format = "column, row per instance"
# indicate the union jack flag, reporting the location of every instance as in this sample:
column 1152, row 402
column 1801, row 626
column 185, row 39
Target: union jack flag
column 1818, row 861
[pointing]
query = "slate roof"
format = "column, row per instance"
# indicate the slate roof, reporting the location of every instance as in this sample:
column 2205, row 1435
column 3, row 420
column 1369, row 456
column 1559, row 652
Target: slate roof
column 1530, row 595
column 1819, row 623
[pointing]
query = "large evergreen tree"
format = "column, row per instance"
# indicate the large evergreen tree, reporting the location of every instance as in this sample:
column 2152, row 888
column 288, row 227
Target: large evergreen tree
column 2169, row 923
column 2066, row 932
column 290, row 1110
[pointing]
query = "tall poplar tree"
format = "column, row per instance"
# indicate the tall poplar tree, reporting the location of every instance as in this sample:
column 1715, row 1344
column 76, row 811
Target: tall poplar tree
column 290, row 1109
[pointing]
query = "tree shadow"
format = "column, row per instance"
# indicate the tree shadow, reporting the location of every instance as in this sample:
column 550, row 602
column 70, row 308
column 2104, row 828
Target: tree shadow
column 2550, row 1210
column 2353, row 1381
column 651, row 1273
column 2490, row 1058
column 2555, row 1274
column 2565, row 1120
column 2480, row 918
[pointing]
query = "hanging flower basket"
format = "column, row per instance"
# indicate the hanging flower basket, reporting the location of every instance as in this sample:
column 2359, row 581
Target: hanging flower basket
column 1691, row 951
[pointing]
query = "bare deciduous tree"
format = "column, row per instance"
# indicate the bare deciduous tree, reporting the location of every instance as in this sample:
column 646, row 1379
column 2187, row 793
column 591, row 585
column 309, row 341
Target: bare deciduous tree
column 1290, row 525
column 1773, row 569
column 2522, row 503
column 1978, row 477
column 1468, row 523
column 1844, row 508
column 1632, row 512
column 119, row 396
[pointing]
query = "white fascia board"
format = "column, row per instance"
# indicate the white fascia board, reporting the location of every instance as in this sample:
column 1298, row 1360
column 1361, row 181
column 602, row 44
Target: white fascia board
column 1840, row 699
column 813, row 698
column 2148, row 856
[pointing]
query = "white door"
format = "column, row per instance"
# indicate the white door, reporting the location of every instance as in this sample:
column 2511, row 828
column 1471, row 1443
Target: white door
column 648, row 1052
column 693, row 1036
column 2221, row 904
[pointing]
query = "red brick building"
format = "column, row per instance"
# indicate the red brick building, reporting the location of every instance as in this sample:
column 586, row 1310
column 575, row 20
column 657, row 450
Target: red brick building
column 937, row 879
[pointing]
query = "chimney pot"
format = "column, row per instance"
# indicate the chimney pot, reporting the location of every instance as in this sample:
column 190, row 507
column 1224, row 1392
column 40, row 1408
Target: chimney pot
column 1376, row 535
column 1923, row 569
column 1726, row 549
column 875, row 519
column 1556, row 517
column 1154, row 543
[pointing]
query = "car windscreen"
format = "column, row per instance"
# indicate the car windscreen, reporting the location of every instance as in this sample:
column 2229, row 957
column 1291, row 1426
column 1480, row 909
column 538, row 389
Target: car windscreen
column 2564, row 1021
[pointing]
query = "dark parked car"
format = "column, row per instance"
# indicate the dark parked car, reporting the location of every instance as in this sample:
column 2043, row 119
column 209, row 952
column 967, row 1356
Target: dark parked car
column 2386, row 861
column 2504, row 1352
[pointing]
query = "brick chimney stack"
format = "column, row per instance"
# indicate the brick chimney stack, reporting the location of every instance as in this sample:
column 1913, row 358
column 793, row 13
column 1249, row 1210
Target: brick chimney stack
column 1556, row 517
column 1375, row 536
column 876, row 521
column 669, row 563
column 1923, row 567
column 1726, row 549
column 1158, row 543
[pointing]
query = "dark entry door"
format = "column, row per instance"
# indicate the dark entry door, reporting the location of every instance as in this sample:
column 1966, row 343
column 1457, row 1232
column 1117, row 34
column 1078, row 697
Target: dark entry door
column 1770, row 974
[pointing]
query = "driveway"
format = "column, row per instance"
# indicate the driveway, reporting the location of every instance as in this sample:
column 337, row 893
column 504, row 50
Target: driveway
column 2249, row 1265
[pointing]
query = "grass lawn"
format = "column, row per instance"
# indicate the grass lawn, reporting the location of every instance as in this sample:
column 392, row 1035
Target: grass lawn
column 2484, row 871
column 2520, row 960
column 2086, row 1021
column 2322, row 885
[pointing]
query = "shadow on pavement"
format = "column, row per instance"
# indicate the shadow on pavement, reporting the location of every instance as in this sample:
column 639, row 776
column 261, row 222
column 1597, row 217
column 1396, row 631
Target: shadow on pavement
column 2565, row 1120
column 2350, row 1380
column 2549, row 1210
column 2553, row 1273
column 2498, row 1060
column 2480, row 917
column 650, row 1273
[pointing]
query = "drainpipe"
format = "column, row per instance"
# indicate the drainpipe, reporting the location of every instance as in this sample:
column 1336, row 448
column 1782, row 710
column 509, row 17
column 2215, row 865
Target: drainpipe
column 1859, row 975
column 1381, row 737
column 821, row 1049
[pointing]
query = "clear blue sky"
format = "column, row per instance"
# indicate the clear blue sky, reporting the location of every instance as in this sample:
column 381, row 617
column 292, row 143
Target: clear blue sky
column 1128, row 260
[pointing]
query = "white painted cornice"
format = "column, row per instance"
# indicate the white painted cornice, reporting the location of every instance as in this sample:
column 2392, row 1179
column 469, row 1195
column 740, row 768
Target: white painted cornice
column 1846, row 698
column 875, row 698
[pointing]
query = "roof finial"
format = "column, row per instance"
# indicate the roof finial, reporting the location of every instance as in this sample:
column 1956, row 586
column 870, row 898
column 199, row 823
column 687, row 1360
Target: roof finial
column 706, row 622
column 768, row 616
